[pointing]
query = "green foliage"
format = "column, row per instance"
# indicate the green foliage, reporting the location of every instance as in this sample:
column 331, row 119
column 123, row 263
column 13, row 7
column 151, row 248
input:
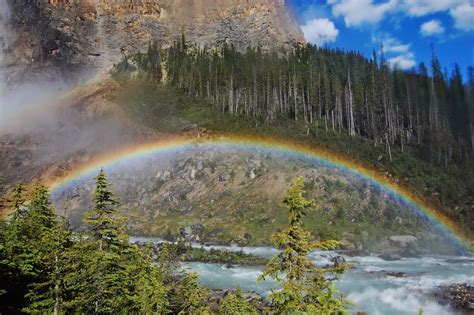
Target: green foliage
column 101, row 280
column 235, row 304
column 48, row 292
column 401, row 122
column 151, row 295
column 17, row 204
column 105, row 227
column 188, row 297
column 217, row 256
column 32, row 247
column 45, row 268
column 304, row 288
column 168, row 259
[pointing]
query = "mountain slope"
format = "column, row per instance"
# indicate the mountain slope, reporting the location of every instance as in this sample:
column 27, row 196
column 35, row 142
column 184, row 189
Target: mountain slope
column 59, row 37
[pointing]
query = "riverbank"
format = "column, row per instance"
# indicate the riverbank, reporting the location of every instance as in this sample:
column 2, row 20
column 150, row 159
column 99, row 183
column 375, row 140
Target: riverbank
column 403, row 285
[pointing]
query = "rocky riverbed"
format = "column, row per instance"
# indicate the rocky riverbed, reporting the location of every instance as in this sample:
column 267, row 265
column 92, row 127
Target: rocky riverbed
column 441, row 285
column 459, row 296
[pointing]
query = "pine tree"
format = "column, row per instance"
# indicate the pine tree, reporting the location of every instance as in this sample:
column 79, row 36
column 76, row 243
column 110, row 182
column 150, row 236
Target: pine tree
column 303, row 286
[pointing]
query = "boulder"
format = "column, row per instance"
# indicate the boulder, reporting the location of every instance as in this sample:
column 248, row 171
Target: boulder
column 251, row 174
column 192, row 233
column 385, row 273
column 459, row 296
column 389, row 257
column 408, row 253
column 338, row 260
column 224, row 177
column 192, row 174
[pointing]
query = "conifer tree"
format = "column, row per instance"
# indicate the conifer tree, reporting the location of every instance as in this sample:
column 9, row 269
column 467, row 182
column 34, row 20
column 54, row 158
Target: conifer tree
column 17, row 256
column 150, row 292
column 235, row 304
column 17, row 204
column 41, row 214
column 303, row 286
column 48, row 293
column 188, row 297
column 27, row 249
column 105, row 227
column 100, row 263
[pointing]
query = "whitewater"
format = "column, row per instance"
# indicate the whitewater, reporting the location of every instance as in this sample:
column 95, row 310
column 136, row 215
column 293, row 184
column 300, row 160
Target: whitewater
column 374, row 285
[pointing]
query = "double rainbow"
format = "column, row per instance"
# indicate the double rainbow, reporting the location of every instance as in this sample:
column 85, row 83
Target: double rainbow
column 420, row 207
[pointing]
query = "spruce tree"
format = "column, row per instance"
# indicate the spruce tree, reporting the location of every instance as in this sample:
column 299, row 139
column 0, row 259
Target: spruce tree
column 48, row 293
column 100, row 262
column 105, row 227
column 27, row 248
column 304, row 288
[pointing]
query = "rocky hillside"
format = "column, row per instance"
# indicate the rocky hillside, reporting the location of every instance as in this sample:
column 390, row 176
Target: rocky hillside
column 224, row 195
column 65, row 35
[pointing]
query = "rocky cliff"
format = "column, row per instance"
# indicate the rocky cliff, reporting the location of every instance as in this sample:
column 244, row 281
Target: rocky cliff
column 65, row 35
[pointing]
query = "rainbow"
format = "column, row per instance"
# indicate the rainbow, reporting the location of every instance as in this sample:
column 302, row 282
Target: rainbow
column 420, row 207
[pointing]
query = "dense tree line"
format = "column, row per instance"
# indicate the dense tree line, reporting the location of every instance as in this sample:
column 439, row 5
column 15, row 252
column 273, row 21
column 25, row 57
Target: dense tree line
column 330, row 89
column 45, row 268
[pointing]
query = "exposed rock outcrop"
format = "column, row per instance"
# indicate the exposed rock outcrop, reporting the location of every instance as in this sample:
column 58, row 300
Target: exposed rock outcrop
column 64, row 35
column 458, row 296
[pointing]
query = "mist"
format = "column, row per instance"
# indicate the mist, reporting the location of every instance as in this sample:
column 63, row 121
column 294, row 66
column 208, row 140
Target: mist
column 48, row 123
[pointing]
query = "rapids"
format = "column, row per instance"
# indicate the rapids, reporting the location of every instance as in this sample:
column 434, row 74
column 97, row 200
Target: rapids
column 375, row 286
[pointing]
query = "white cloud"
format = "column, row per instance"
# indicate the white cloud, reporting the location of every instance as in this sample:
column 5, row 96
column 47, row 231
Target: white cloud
column 404, row 62
column 424, row 7
column 396, row 48
column 433, row 27
column 320, row 31
column 403, row 58
column 463, row 16
column 358, row 12
column 391, row 45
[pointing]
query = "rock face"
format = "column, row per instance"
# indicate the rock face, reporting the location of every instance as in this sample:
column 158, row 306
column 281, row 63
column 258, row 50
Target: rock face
column 61, row 35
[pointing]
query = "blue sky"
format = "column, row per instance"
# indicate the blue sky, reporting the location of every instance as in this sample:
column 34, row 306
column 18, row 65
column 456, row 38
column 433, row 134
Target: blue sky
column 406, row 27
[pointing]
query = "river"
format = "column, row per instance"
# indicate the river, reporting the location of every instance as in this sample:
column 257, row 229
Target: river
column 370, row 286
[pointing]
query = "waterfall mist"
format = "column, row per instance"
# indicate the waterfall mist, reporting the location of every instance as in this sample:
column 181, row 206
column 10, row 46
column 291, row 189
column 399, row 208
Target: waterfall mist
column 49, row 120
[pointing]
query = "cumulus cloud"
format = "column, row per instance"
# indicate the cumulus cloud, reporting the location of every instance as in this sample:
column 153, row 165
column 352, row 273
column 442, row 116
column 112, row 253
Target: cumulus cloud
column 358, row 12
column 430, row 28
column 401, row 55
column 320, row 31
column 424, row 7
column 391, row 44
column 404, row 62
column 463, row 16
